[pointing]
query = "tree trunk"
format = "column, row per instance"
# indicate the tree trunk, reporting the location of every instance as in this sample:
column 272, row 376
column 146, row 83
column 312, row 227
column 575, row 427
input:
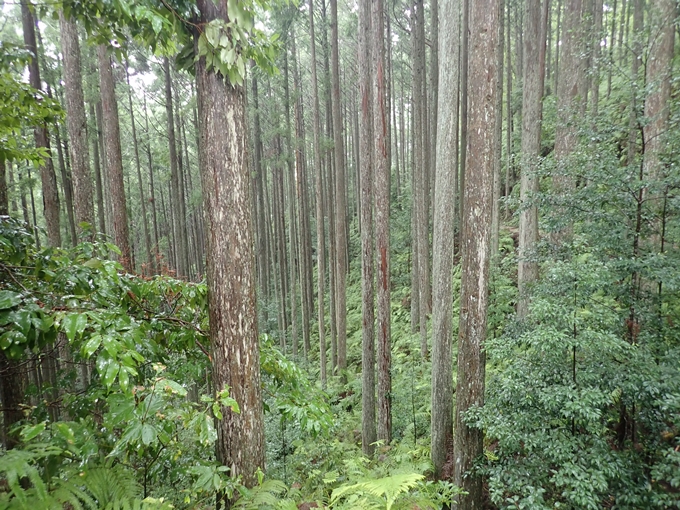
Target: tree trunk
column 42, row 137
column 570, row 97
column 443, row 239
column 179, row 225
column 659, row 68
column 532, row 100
column 142, row 198
column 484, row 16
column 4, row 202
column 366, row 179
column 95, row 115
column 152, row 190
column 12, row 387
column 320, row 241
column 230, row 270
column 77, row 125
column 381, row 176
column 113, row 156
column 340, row 197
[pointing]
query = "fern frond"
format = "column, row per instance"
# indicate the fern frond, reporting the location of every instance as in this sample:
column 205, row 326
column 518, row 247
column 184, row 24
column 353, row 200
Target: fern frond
column 387, row 489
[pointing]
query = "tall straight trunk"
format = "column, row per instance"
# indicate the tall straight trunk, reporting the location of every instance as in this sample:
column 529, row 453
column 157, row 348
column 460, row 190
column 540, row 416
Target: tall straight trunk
column 508, row 115
column 570, row 98
column 366, row 179
column 476, row 232
column 532, row 96
column 659, row 68
column 95, row 115
column 433, row 89
column 113, row 156
column 12, row 388
column 230, row 271
column 421, row 185
column 443, row 238
column 340, row 198
column 4, row 201
column 596, row 55
column 330, row 191
column 498, row 141
column 152, row 189
column 304, row 239
column 258, row 192
column 182, row 206
column 610, row 47
column 77, row 124
column 381, row 176
column 320, row 240
column 66, row 183
column 142, row 197
column 292, row 221
column 179, row 225
column 464, row 64
column 42, row 138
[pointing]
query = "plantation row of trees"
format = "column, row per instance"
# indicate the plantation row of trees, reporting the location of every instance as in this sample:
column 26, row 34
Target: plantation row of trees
column 264, row 225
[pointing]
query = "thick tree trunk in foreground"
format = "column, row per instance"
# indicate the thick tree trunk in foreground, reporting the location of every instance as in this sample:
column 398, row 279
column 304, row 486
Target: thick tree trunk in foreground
column 442, row 239
column 230, row 268
column 114, row 161
column 381, row 175
column 476, row 233
column 77, row 124
column 42, row 137
column 368, row 410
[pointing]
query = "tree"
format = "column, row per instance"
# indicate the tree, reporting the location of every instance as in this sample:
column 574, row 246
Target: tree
column 442, row 239
column 114, row 158
column 476, row 236
column 42, row 137
column 532, row 100
column 381, row 176
column 179, row 224
column 340, row 197
column 77, row 123
column 230, row 260
column 320, row 241
column 366, row 180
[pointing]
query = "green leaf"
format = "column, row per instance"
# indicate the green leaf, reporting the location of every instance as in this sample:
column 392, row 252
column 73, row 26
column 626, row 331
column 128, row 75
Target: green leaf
column 28, row 433
column 111, row 372
column 111, row 345
column 74, row 324
column 91, row 346
column 93, row 263
column 9, row 299
column 173, row 387
column 148, row 434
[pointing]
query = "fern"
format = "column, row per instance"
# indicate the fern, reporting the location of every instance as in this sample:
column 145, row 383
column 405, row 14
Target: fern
column 384, row 491
column 100, row 488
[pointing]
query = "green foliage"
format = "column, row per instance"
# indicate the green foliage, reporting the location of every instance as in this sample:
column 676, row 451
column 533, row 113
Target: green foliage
column 21, row 107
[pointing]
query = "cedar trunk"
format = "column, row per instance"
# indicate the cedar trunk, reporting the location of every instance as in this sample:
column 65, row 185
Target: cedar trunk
column 230, row 263
column 476, row 233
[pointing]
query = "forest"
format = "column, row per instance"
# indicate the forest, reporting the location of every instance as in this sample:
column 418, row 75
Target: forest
column 368, row 254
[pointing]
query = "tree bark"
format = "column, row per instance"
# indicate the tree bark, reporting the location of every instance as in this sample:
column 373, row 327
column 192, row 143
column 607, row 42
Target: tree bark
column 659, row 68
column 443, row 238
column 138, row 166
column 230, row 268
column 381, row 176
column 320, row 240
column 179, row 223
column 366, row 179
column 340, row 197
column 77, row 125
column 476, row 232
column 113, row 156
column 532, row 100
column 41, row 134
